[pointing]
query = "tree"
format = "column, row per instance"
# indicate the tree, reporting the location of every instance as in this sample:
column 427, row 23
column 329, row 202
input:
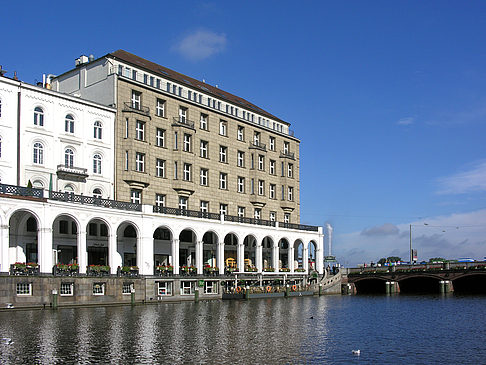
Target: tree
column 437, row 259
column 394, row 259
column 381, row 261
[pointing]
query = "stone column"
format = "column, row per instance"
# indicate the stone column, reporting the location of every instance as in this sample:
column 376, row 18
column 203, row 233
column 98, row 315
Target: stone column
column 305, row 257
column 275, row 258
column 4, row 244
column 145, row 255
column 259, row 258
column 114, row 259
column 291, row 259
column 44, row 249
column 240, row 257
column 175, row 255
column 82, row 251
column 220, row 258
column 320, row 253
column 199, row 257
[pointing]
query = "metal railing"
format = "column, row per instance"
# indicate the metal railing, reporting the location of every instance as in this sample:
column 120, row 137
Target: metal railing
column 91, row 200
column 128, row 107
column 21, row 191
column 184, row 122
column 287, row 154
column 259, row 145
column 72, row 170
column 300, row 227
column 185, row 212
column 260, row 222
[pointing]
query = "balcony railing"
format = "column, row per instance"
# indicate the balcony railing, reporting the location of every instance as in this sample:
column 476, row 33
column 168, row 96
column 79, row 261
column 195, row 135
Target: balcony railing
column 258, row 145
column 91, row 200
column 21, row 191
column 287, row 154
column 129, row 107
column 260, row 222
column 72, row 170
column 185, row 212
column 184, row 122
column 300, row 227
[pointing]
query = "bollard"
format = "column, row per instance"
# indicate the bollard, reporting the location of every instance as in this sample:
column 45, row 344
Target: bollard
column 287, row 290
column 132, row 295
column 54, row 299
column 247, row 293
column 320, row 289
column 196, row 295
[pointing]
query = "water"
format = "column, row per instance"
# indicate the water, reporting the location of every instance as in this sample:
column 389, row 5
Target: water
column 320, row 330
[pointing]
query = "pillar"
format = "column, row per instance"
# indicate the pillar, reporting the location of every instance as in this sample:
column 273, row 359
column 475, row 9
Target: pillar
column 320, row 260
column 145, row 255
column 240, row 257
column 275, row 257
column 82, row 251
column 114, row 259
column 175, row 255
column 4, row 244
column 199, row 257
column 305, row 257
column 259, row 257
column 291, row 258
column 220, row 257
column 44, row 249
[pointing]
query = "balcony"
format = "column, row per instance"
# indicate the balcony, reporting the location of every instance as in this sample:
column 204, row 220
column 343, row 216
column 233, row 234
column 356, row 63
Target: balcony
column 72, row 173
column 300, row 227
column 21, row 191
column 259, row 222
column 91, row 200
column 258, row 145
column 134, row 108
column 183, row 122
column 287, row 154
column 185, row 212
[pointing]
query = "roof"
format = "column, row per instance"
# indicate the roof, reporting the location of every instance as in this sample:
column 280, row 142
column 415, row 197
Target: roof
column 190, row 82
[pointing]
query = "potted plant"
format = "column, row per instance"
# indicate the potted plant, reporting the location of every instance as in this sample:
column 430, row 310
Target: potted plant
column 284, row 269
column 269, row 269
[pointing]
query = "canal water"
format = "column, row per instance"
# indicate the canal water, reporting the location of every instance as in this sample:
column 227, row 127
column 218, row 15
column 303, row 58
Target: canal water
column 320, row 330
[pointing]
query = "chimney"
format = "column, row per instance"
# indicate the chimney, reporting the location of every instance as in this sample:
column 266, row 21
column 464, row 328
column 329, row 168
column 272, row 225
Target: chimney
column 15, row 76
column 2, row 71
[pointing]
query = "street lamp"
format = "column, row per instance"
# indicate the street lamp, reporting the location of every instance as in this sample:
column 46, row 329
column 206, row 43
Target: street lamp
column 411, row 250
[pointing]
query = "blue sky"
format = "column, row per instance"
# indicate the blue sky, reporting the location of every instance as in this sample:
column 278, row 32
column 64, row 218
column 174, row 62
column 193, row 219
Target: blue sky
column 388, row 98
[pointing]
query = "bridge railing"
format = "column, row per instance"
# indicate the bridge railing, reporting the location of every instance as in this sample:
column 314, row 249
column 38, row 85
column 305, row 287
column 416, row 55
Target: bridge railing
column 419, row 267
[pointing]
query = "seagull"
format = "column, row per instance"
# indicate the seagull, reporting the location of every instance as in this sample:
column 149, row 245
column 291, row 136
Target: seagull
column 7, row 341
column 356, row 352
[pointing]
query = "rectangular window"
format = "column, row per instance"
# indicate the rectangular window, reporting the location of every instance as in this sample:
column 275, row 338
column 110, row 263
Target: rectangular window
column 272, row 191
column 128, row 71
column 160, row 108
column 290, row 170
column 139, row 162
column 261, row 187
column 175, row 140
column 272, row 216
column 241, row 184
column 134, row 75
column 140, row 130
column 283, row 168
column 204, row 206
column 222, row 154
column 261, row 162
column 223, row 209
column 182, row 115
column 203, row 122
column 204, row 177
column 258, row 213
column 272, row 167
column 252, row 162
column 271, row 143
column 126, row 127
column 283, row 192
column 160, row 137
column 210, row 287
column 286, row 217
column 127, row 288
column 187, row 172
column 159, row 200
column 187, row 287
column 23, row 289
column 223, row 128
column 291, row 193
column 240, row 159
column 183, row 203
column 241, row 212
column 126, row 160
column 160, row 168
column 66, row 289
column 136, row 196
column 286, row 148
column 256, row 138
column 252, row 186
column 98, row 288
column 164, row 288
column 241, row 133
column 136, row 100
column 223, row 180
column 187, row 142
column 175, row 170
column 203, row 148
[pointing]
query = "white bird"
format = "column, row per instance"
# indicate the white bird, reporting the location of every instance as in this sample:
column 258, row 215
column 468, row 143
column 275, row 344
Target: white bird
column 7, row 340
column 356, row 352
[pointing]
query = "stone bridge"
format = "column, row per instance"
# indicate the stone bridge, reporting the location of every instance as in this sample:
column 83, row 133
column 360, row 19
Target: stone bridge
column 467, row 278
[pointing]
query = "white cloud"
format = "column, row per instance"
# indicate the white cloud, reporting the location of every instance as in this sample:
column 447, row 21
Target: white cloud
column 201, row 44
column 472, row 180
column 384, row 230
column 406, row 121
column 453, row 236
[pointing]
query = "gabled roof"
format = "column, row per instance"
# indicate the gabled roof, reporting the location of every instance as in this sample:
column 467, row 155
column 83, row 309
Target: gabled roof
column 190, row 82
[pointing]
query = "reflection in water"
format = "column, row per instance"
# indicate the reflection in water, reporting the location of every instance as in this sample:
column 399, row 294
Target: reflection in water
column 292, row 330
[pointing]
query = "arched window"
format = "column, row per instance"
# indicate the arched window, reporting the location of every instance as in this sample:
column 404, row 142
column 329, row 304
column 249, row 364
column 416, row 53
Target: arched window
column 68, row 157
column 97, row 164
column 38, row 153
column 98, row 129
column 69, row 189
column 38, row 184
column 97, row 193
column 69, row 124
column 39, row 116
